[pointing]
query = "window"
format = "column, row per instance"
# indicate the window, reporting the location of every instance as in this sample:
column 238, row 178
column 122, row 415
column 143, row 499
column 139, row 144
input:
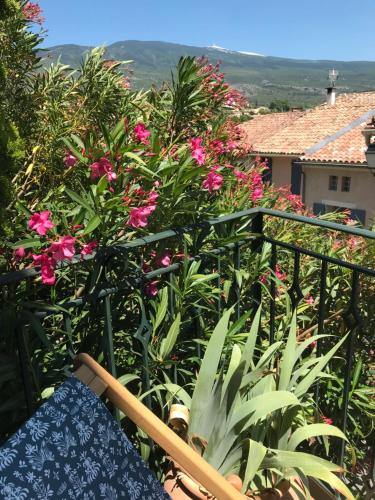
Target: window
column 345, row 184
column 332, row 185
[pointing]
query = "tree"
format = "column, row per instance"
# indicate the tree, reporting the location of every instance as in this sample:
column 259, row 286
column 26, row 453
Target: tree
column 279, row 105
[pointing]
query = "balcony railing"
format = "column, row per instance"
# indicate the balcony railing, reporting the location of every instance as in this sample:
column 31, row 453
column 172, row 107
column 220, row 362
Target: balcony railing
column 100, row 298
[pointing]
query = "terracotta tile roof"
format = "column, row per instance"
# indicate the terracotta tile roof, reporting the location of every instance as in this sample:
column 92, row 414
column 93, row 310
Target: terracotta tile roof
column 321, row 128
column 349, row 148
column 262, row 127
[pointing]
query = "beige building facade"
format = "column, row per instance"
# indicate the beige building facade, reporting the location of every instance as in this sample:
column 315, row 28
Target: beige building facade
column 320, row 154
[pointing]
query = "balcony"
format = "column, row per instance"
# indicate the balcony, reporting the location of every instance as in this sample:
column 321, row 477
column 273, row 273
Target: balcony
column 119, row 304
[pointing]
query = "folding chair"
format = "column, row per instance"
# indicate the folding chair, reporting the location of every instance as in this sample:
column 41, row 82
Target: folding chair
column 73, row 448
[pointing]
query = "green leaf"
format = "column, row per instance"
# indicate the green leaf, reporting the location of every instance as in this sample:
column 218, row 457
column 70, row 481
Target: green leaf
column 102, row 185
column 260, row 406
column 310, row 465
column 234, row 362
column 127, row 378
column 256, row 454
column 306, row 383
column 168, row 343
column 288, row 358
column 248, row 351
column 78, row 199
column 175, row 390
column 27, row 243
column 309, row 431
column 141, row 163
column 162, row 308
column 207, row 373
column 74, row 150
column 92, row 225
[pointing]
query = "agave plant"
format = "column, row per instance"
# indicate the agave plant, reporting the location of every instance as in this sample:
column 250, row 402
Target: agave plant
column 249, row 414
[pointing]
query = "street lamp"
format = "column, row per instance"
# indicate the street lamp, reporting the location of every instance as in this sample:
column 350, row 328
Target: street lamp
column 369, row 133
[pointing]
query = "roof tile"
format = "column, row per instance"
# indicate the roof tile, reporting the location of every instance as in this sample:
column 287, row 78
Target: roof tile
column 295, row 132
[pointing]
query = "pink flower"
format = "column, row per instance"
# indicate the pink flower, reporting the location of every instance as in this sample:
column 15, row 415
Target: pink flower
column 88, row 248
column 19, row 253
column 310, row 300
column 165, row 259
column 241, row 176
column 103, row 167
column 139, row 216
column 70, row 160
column 141, row 133
column 197, row 150
column 213, row 181
column 47, row 265
column 157, row 184
column 151, row 288
column 153, row 196
column 279, row 274
column 63, row 248
column 327, row 420
column 257, row 194
column 40, row 222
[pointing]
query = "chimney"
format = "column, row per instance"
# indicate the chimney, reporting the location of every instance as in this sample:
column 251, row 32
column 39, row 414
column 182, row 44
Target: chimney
column 331, row 96
column 331, row 90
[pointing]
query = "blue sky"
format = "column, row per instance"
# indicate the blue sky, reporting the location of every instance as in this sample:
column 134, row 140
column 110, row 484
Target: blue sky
column 314, row 29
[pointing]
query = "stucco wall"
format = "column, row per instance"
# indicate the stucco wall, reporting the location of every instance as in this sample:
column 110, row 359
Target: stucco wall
column 281, row 170
column 360, row 196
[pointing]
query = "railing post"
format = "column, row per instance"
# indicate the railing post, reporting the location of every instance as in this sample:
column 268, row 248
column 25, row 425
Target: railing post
column 256, row 247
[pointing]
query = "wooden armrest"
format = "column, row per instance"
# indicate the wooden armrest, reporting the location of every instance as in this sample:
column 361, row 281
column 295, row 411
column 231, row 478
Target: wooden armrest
column 190, row 460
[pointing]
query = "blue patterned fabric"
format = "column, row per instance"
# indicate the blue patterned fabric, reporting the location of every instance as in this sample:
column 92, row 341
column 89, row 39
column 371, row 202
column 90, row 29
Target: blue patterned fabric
column 72, row 448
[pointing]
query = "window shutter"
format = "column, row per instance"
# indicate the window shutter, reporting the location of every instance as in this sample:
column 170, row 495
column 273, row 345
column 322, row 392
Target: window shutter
column 359, row 215
column 296, row 178
column 267, row 174
column 319, row 208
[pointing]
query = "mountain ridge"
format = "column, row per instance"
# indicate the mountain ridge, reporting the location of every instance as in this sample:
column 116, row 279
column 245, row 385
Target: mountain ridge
column 261, row 77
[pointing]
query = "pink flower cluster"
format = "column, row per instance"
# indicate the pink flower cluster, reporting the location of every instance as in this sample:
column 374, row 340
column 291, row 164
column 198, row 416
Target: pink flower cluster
column 197, row 150
column 213, row 181
column 138, row 216
column 141, row 133
column 164, row 260
column 103, row 167
column 57, row 251
column 32, row 12
column 256, row 185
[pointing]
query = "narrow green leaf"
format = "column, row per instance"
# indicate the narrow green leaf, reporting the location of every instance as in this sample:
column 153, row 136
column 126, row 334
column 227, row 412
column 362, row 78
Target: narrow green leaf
column 309, row 431
column 74, row 150
column 127, row 378
column 27, row 243
column 78, row 199
column 94, row 222
column 248, row 350
column 168, row 343
column 260, row 406
column 306, row 383
column 162, row 308
column 175, row 390
column 255, row 457
column 207, row 373
column 233, row 365
column 288, row 358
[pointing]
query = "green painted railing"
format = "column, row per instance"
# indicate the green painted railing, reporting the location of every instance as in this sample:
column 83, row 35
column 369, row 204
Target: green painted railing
column 107, row 295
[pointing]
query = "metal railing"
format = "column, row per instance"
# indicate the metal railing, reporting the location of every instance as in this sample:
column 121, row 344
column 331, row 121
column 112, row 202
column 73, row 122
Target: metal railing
column 109, row 295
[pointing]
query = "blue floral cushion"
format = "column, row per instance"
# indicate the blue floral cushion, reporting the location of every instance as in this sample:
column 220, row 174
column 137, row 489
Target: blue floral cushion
column 73, row 448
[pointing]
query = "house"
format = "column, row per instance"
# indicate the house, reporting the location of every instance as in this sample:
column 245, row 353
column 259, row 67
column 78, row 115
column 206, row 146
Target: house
column 320, row 153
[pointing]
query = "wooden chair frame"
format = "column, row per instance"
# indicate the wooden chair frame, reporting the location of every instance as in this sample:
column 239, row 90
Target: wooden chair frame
column 101, row 382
